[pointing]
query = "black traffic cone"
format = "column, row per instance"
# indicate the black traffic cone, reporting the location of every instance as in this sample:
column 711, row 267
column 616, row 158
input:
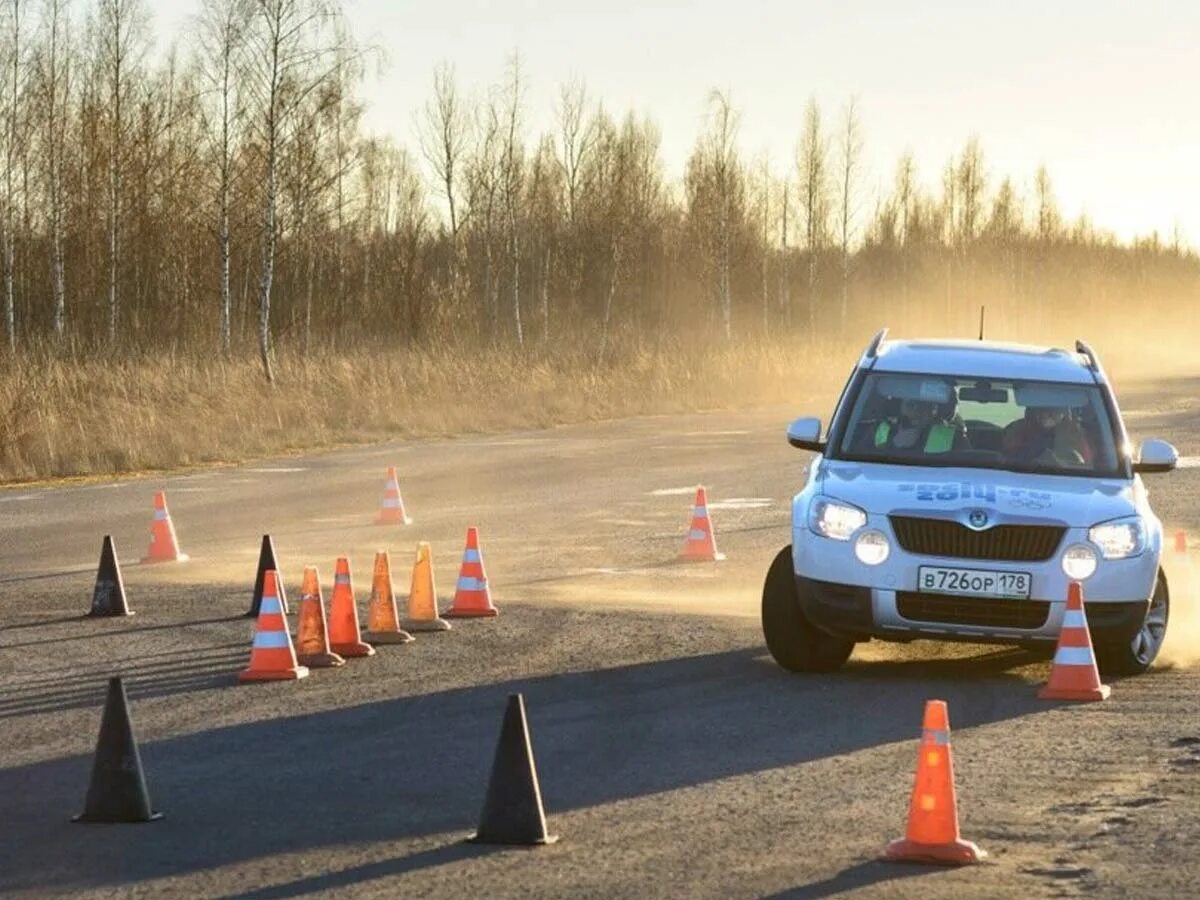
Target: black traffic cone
column 266, row 563
column 512, row 810
column 117, row 792
column 108, row 596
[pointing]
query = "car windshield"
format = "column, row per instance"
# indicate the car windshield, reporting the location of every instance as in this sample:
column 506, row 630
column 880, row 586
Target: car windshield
column 942, row 420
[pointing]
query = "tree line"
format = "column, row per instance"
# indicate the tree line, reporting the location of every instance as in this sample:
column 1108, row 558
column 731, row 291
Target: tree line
column 224, row 197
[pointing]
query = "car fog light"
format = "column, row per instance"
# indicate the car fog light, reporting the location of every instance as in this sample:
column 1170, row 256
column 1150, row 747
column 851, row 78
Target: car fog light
column 872, row 548
column 1079, row 562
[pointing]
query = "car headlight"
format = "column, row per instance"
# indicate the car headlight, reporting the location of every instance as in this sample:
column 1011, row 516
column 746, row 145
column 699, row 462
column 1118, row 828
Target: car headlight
column 835, row 520
column 1120, row 539
column 1079, row 562
column 872, row 547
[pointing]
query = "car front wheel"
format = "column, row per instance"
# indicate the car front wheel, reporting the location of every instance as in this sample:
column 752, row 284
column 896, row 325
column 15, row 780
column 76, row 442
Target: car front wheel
column 1135, row 656
column 794, row 642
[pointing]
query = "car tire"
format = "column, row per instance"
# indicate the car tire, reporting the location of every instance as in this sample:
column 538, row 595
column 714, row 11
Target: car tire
column 794, row 642
column 1135, row 656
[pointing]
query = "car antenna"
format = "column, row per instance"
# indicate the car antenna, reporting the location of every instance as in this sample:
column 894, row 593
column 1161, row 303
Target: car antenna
column 981, row 310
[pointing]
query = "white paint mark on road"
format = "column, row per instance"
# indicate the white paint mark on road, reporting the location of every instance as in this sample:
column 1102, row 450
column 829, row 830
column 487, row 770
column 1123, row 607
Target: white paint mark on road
column 660, row 572
column 270, row 470
column 741, row 503
column 243, row 481
column 190, row 490
column 18, row 497
column 336, row 520
column 673, row 492
column 715, row 433
column 631, row 523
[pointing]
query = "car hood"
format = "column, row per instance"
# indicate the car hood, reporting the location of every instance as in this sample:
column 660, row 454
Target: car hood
column 999, row 495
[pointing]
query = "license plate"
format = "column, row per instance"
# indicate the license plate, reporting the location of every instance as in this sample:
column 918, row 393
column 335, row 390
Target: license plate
column 973, row 582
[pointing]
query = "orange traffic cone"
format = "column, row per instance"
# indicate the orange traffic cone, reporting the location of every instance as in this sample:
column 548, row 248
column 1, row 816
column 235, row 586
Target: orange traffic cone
column 472, row 597
column 701, row 543
column 391, row 510
column 422, row 598
column 312, row 635
column 163, row 546
column 272, row 657
column 344, row 635
column 1074, row 675
column 383, row 622
column 932, row 835
column 1181, row 544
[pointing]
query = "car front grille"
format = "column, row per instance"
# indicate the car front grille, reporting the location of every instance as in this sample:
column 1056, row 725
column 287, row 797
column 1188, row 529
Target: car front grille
column 981, row 611
column 1007, row 543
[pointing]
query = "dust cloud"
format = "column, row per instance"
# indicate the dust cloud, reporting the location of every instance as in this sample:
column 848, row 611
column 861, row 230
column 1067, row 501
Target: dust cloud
column 1182, row 646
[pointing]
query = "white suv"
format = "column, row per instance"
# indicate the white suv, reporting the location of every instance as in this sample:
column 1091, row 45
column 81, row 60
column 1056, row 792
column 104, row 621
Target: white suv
column 960, row 488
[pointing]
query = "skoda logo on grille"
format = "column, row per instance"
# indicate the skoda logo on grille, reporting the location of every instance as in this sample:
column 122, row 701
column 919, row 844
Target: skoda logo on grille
column 978, row 519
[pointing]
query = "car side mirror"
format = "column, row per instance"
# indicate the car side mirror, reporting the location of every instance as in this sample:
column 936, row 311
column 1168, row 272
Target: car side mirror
column 806, row 434
column 1155, row 456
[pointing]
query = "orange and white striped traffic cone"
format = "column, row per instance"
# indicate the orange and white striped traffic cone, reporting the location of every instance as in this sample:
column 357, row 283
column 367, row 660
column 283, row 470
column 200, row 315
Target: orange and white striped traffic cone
column 163, row 545
column 701, row 545
column 272, row 656
column 345, row 637
column 932, row 834
column 1074, row 674
column 472, row 596
column 391, row 509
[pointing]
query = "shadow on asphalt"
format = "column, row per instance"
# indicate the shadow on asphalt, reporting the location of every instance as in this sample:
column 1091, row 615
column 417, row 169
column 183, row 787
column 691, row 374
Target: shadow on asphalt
column 417, row 766
column 860, row 875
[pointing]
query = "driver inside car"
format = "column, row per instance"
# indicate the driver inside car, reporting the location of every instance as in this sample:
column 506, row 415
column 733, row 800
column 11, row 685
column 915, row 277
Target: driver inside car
column 1048, row 434
column 922, row 426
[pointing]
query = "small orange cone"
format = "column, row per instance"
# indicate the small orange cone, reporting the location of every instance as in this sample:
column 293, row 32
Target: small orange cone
column 472, row 596
column 701, row 543
column 163, row 546
column 391, row 509
column 1074, row 675
column 932, row 835
column 383, row 622
column 344, row 635
column 1181, row 544
column 312, row 635
column 272, row 657
column 422, row 598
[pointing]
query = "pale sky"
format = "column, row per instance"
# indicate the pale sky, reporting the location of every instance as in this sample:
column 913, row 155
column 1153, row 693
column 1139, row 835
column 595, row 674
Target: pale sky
column 1106, row 94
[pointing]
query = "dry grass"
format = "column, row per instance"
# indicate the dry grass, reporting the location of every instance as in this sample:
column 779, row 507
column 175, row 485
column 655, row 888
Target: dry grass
column 65, row 417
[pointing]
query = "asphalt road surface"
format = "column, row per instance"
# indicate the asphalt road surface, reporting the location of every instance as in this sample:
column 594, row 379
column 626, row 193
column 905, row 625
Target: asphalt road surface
column 675, row 758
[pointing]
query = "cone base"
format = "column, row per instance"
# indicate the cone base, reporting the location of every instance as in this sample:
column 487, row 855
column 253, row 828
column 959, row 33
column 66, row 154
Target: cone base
column 247, row 675
column 357, row 649
column 470, row 612
column 536, row 842
column 701, row 557
column 84, row 819
column 154, row 560
column 388, row 637
column 320, row 660
column 113, row 615
column 425, row 625
column 955, row 853
column 1101, row 692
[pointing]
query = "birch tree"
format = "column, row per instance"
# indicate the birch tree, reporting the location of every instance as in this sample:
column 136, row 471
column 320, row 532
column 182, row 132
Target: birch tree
column 850, row 144
column 52, row 80
column 814, row 198
column 222, row 36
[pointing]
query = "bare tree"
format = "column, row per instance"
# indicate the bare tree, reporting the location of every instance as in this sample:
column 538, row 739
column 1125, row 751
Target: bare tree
column 222, row 37
column 122, row 34
column 1049, row 221
column 512, row 158
column 52, row 71
column 288, row 59
column 814, row 198
column 13, row 115
column 444, row 136
column 850, row 144
column 576, row 138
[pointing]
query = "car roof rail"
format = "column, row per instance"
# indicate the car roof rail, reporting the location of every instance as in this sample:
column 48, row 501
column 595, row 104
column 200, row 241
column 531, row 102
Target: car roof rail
column 1083, row 349
column 873, row 347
